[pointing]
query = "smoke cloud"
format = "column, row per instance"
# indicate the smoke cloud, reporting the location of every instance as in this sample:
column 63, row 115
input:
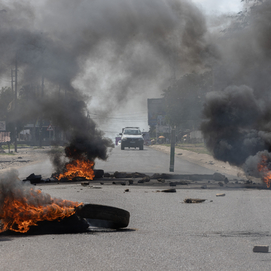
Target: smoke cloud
column 237, row 113
column 105, row 48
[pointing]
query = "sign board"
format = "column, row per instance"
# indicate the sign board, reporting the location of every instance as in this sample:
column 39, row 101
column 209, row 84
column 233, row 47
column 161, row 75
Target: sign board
column 163, row 129
column 156, row 112
column 50, row 128
column 2, row 125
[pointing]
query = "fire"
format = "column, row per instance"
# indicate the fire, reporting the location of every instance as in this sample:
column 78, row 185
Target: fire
column 18, row 214
column 78, row 168
column 265, row 171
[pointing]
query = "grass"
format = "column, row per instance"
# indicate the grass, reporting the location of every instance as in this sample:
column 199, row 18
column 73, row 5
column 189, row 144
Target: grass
column 11, row 146
column 196, row 147
column 6, row 154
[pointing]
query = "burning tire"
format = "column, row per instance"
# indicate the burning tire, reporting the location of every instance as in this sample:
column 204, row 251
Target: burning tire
column 104, row 216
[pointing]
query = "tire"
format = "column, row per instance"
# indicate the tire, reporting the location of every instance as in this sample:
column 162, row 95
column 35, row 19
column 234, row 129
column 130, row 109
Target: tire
column 141, row 147
column 104, row 216
column 122, row 147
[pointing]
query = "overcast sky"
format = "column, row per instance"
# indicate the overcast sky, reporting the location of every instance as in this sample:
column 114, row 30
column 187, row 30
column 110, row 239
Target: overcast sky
column 219, row 6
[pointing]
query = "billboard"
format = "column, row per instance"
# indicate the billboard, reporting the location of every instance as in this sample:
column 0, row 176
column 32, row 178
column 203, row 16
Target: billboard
column 156, row 112
column 2, row 125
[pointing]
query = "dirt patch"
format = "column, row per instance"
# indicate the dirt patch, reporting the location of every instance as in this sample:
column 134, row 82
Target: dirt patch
column 22, row 157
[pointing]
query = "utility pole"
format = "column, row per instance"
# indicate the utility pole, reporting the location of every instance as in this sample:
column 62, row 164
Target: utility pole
column 12, row 81
column 172, row 150
column 40, row 129
column 15, row 102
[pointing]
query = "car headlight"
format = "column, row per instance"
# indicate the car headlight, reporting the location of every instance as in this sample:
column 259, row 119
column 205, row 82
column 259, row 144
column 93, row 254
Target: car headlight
column 125, row 138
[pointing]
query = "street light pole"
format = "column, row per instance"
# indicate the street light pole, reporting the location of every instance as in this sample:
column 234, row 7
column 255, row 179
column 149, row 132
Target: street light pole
column 172, row 150
column 15, row 104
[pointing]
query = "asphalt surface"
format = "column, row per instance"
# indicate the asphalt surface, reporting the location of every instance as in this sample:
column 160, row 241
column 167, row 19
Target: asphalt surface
column 129, row 160
column 164, row 233
column 149, row 161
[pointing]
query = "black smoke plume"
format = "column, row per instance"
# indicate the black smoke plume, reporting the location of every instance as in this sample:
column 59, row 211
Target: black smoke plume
column 119, row 45
column 237, row 114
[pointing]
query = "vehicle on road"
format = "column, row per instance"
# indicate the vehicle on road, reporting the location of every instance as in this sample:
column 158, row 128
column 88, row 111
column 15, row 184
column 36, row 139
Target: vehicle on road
column 131, row 137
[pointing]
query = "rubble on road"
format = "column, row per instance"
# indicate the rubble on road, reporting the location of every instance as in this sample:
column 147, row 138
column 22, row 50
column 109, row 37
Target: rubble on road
column 220, row 195
column 169, row 190
column 261, row 249
column 189, row 200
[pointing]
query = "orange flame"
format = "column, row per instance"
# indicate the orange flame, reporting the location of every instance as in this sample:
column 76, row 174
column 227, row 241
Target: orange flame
column 265, row 171
column 19, row 214
column 78, row 168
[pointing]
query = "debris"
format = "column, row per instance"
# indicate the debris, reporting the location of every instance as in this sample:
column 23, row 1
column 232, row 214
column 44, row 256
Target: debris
column 98, row 173
column 189, row 200
column 220, row 195
column 33, row 178
column 221, row 184
column 219, row 177
column 144, row 179
column 204, row 186
column 172, row 184
column 172, row 190
column 120, row 174
column 126, row 190
column 84, row 183
column 147, row 178
column 130, row 182
column 262, row 249
column 129, row 175
column 183, row 183
column 161, row 180
column 161, row 176
column 123, row 183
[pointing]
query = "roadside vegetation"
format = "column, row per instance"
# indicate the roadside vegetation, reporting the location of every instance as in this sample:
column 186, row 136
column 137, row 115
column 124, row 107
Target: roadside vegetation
column 196, row 147
column 6, row 149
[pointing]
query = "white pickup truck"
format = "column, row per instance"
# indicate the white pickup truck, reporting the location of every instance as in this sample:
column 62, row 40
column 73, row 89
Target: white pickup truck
column 131, row 137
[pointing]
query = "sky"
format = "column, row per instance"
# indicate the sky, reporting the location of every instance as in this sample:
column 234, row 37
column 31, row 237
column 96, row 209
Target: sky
column 219, row 6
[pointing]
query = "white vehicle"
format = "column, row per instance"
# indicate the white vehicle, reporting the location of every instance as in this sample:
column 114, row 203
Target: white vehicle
column 131, row 137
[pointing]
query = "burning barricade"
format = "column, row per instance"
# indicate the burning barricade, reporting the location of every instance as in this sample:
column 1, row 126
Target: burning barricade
column 22, row 207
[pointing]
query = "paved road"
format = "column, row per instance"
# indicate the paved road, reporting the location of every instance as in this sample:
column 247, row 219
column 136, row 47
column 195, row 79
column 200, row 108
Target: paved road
column 163, row 234
column 129, row 160
column 149, row 161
